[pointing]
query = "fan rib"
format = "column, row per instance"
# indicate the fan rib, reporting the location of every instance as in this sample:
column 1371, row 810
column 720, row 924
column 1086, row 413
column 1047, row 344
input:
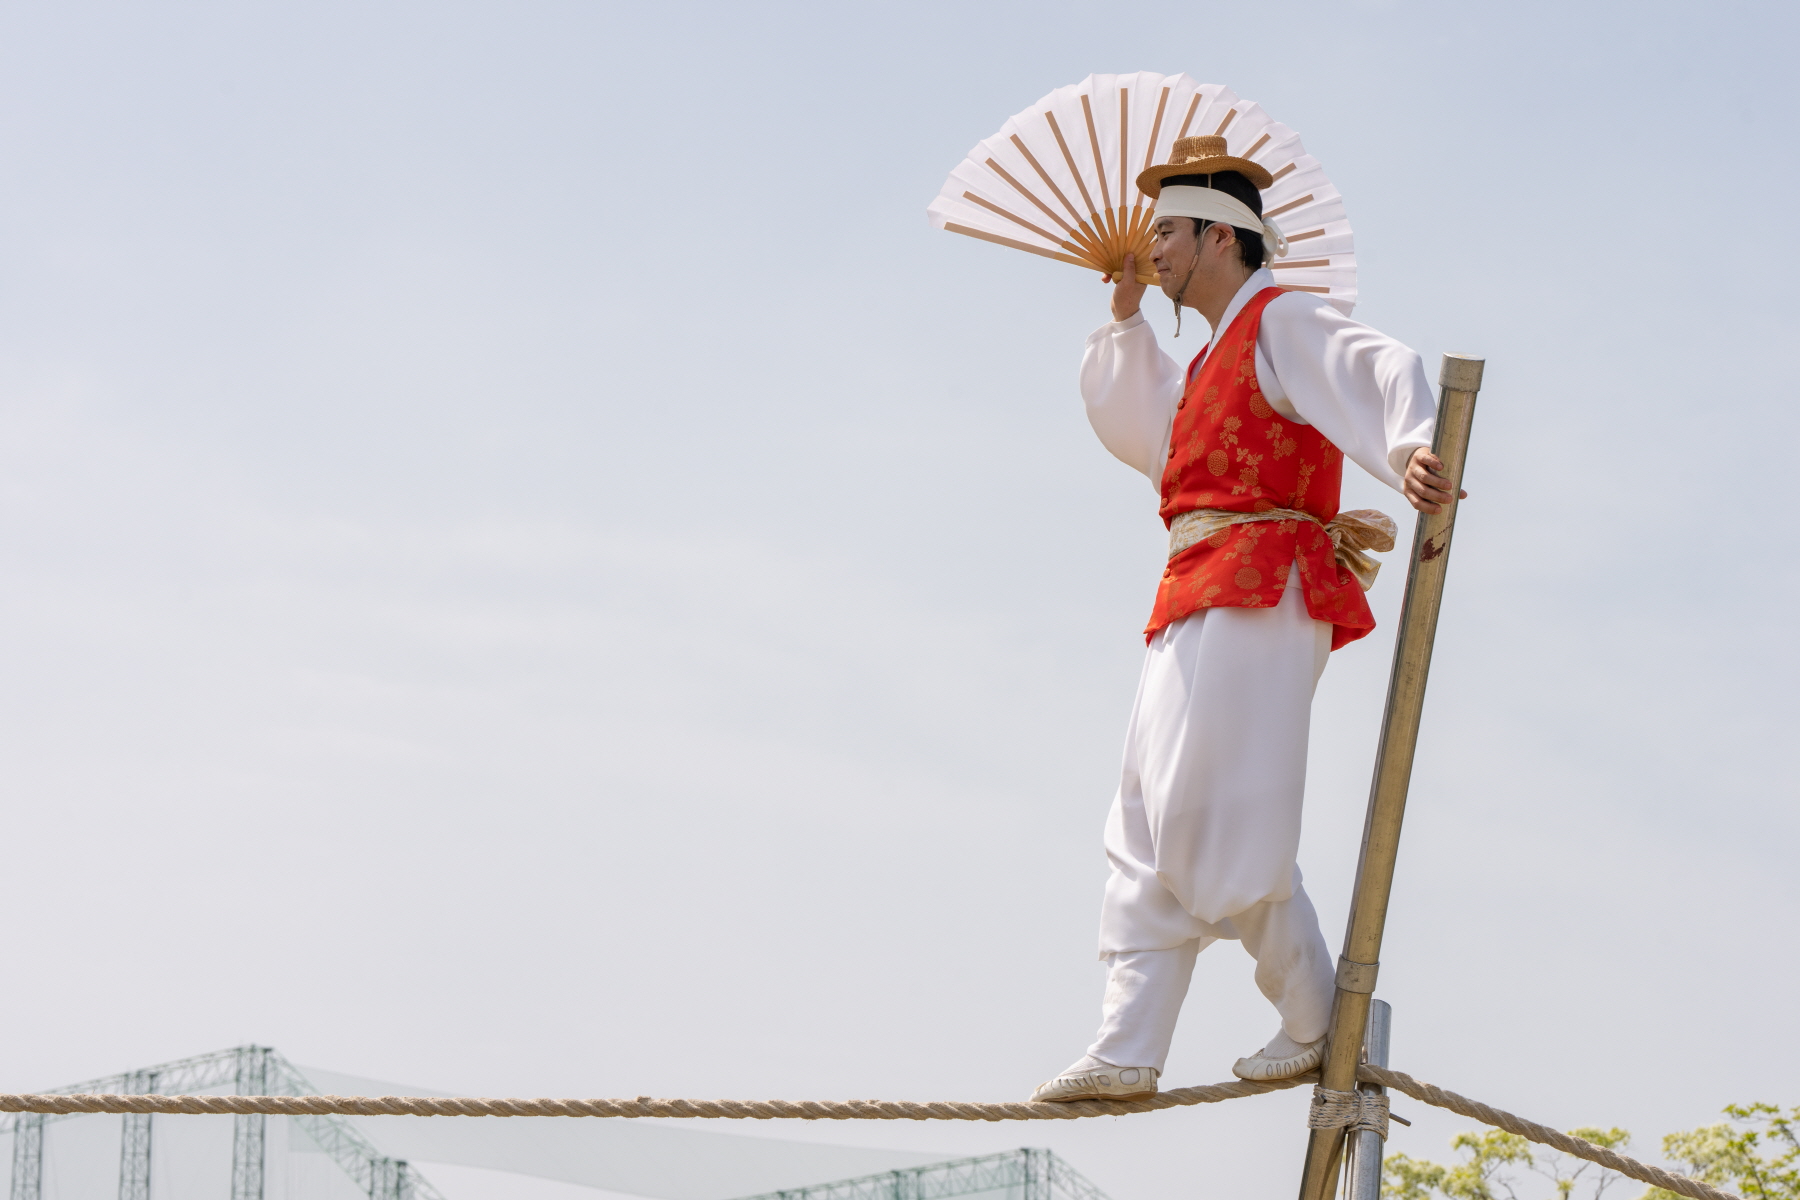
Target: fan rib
column 1156, row 128
column 1087, row 111
column 1230, row 116
column 1021, row 221
column 1301, row 237
column 1025, row 246
column 1193, row 107
column 1074, row 170
column 1304, row 287
column 1083, row 232
column 1260, row 143
column 1306, row 262
column 1290, row 206
column 1045, row 175
column 1276, row 178
column 1124, row 143
column 994, row 166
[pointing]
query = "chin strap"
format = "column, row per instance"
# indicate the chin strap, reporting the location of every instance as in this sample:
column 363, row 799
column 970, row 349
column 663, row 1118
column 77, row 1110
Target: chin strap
column 1193, row 266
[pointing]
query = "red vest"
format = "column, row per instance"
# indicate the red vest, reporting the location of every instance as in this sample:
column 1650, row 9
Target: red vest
column 1231, row 451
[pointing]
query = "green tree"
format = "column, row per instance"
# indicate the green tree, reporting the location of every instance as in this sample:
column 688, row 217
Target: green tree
column 1755, row 1154
column 1499, row 1166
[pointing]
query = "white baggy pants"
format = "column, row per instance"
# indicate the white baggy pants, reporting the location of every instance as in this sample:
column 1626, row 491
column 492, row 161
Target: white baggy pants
column 1205, row 829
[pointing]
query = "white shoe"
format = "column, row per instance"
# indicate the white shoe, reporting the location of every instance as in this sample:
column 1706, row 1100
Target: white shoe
column 1103, row 1082
column 1263, row 1066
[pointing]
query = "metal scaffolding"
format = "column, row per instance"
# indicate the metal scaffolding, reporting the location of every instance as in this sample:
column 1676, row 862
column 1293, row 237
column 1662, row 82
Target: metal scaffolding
column 247, row 1129
column 28, row 1156
column 247, row 1070
column 1020, row 1174
column 134, row 1143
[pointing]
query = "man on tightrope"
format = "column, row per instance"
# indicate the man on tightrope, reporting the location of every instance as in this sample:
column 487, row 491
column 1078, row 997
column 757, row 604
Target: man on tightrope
column 1265, row 578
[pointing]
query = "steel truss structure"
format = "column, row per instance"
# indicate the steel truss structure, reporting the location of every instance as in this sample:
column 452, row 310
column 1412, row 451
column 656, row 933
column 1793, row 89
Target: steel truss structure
column 1021, row 1174
column 248, row 1071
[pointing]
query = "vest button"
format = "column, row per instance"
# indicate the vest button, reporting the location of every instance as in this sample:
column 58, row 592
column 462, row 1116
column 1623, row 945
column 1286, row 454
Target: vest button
column 1168, row 572
column 1181, row 403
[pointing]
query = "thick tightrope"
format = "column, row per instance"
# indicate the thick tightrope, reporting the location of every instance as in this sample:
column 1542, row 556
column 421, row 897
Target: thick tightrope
column 844, row 1110
column 643, row 1106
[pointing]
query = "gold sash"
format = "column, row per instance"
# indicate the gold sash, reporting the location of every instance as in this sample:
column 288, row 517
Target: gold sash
column 1351, row 533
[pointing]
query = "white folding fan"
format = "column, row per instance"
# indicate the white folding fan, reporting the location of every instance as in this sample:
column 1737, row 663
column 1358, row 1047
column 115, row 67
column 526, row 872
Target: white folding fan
column 1059, row 179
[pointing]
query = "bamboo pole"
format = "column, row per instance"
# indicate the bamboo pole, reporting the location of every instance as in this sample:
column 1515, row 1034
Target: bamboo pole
column 1459, row 381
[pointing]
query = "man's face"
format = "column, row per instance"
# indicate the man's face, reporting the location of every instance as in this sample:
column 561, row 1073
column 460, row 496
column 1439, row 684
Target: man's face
column 1173, row 250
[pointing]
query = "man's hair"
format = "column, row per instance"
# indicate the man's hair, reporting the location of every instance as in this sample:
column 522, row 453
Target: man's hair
column 1250, row 242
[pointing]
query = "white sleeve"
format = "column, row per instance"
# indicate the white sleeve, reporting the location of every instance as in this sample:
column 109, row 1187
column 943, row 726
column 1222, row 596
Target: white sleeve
column 1130, row 388
column 1360, row 388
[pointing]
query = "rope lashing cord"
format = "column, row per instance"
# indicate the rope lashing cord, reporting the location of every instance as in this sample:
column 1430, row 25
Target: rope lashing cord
column 851, row 1110
column 1353, row 1110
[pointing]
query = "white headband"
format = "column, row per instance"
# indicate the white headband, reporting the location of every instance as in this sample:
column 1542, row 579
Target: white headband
column 1210, row 204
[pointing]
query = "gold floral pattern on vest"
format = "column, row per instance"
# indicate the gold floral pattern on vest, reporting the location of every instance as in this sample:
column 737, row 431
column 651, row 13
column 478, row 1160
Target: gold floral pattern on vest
column 1230, row 450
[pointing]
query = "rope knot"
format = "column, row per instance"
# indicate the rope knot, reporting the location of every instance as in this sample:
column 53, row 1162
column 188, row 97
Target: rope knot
column 1357, row 1111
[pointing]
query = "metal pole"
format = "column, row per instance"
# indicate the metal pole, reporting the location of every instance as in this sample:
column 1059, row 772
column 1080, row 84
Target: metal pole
column 1459, row 381
column 1365, row 1146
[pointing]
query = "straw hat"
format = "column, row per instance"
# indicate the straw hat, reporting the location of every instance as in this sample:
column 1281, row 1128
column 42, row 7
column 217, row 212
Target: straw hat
column 1201, row 156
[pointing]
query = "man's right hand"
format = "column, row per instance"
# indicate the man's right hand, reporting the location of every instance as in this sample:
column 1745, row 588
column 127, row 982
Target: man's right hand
column 1128, row 293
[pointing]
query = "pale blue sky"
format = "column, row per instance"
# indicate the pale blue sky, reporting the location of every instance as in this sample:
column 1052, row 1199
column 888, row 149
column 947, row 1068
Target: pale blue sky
column 528, row 567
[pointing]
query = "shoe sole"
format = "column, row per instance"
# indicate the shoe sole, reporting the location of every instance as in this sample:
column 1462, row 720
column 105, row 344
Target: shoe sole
column 1273, row 1076
column 1096, row 1096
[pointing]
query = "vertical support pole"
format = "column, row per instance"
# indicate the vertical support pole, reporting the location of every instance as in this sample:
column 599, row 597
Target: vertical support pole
column 28, row 1157
column 248, row 1129
column 1365, row 1146
column 390, row 1179
column 134, row 1144
column 1037, row 1174
column 1459, row 381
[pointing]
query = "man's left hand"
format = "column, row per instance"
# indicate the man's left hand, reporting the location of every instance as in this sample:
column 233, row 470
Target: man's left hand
column 1425, row 486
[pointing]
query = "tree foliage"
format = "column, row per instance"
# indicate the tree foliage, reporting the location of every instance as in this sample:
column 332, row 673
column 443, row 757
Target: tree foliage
column 1754, row 1153
column 1500, row 1166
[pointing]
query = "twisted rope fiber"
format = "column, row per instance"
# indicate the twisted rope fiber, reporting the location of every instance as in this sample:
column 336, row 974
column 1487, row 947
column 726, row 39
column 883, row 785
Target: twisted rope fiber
column 643, row 1106
column 846, row 1110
